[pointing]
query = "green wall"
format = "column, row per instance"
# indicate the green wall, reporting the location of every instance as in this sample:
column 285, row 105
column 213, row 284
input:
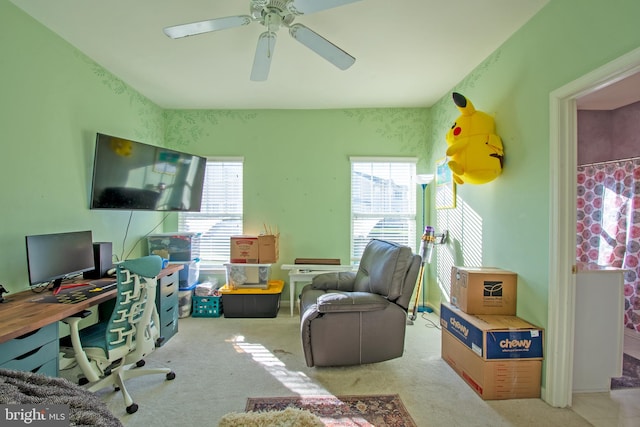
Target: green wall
column 54, row 99
column 566, row 40
column 296, row 166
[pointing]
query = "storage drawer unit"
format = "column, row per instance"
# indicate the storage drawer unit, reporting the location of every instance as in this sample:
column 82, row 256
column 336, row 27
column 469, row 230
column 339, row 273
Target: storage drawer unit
column 167, row 305
column 36, row 351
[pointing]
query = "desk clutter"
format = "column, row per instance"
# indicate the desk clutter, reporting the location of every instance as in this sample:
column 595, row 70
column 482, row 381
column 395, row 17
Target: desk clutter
column 76, row 292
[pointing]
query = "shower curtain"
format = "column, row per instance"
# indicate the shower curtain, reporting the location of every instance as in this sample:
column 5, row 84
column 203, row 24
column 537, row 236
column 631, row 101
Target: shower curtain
column 608, row 231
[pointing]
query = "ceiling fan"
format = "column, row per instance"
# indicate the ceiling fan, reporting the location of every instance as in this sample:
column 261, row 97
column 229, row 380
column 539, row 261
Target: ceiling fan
column 274, row 14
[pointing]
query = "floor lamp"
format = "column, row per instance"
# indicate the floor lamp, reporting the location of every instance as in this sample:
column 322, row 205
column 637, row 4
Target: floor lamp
column 423, row 180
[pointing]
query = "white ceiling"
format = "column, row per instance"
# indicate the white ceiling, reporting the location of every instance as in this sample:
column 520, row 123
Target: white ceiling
column 409, row 53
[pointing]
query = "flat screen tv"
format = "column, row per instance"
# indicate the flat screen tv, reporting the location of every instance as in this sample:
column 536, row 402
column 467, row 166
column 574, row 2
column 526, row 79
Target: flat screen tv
column 135, row 176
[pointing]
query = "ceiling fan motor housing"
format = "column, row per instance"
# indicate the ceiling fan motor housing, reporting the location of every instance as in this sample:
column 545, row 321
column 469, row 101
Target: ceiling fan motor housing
column 272, row 13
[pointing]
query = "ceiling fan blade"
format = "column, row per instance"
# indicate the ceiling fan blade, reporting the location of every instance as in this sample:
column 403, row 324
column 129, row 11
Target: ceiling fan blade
column 194, row 28
column 306, row 7
column 322, row 46
column 262, row 59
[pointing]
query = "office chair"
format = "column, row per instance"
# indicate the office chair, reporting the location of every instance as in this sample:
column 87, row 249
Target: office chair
column 108, row 352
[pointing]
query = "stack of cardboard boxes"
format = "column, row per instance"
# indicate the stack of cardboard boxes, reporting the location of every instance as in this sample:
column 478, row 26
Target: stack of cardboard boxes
column 498, row 354
column 261, row 249
column 250, row 260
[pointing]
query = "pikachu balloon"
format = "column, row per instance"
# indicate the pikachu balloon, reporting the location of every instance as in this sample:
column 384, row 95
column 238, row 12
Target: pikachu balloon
column 474, row 151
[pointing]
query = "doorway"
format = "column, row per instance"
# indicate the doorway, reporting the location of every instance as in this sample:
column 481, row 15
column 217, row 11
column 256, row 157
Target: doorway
column 563, row 164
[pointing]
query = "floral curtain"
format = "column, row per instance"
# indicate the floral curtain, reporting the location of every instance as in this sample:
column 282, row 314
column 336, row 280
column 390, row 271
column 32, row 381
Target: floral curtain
column 609, row 224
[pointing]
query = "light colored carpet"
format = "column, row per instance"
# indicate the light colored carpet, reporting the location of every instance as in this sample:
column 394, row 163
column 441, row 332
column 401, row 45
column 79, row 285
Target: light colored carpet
column 220, row 362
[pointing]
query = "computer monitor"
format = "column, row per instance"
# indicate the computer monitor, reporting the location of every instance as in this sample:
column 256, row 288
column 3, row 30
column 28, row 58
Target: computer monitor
column 54, row 257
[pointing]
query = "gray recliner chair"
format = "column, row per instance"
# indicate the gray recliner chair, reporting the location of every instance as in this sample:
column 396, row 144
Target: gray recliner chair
column 353, row 318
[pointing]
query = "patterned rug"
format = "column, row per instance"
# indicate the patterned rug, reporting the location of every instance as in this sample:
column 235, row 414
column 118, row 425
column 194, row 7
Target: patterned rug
column 343, row 411
column 630, row 374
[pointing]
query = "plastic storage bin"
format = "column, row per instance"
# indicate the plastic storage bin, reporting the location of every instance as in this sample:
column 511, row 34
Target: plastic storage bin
column 246, row 302
column 185, row 301
column 210, row 306
column 175, row 246
column 189, row 274
column 248, row 275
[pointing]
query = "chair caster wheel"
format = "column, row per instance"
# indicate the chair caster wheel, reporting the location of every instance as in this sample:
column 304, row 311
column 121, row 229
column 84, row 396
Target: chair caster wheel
column 132, row 409
column 171, row 375
column 140, row 363
column 83, row 381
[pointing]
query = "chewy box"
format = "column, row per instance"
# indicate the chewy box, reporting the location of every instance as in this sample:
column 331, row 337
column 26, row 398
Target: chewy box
column 484, row 290
column 493, row 379
column 209, row 306
column 249, row 302
column 175, row 246
column 493, row 337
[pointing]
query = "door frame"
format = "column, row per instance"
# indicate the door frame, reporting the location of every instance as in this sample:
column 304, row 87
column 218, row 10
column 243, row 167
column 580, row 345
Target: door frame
column 563, row 143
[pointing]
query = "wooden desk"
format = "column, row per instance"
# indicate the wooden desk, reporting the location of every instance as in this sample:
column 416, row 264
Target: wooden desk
column 305, row 273
column 21, row 317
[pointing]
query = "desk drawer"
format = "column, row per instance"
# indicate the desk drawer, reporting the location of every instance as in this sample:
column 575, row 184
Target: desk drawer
column 26, row 343
column 169, row 324
column 169, row 279
column 34, row 359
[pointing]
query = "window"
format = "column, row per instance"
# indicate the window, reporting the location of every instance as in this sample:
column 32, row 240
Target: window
column 383, row 202
column 221, row 213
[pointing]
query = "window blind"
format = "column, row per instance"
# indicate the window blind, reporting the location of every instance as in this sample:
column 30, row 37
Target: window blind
column 221, row 215
column 383, row 202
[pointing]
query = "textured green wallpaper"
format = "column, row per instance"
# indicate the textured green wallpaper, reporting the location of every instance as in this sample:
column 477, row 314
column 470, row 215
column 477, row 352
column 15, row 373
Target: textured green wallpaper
column 53, row 100
column 566, row 40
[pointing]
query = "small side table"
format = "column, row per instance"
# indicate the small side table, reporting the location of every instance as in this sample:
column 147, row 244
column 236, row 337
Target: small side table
column 306, row 272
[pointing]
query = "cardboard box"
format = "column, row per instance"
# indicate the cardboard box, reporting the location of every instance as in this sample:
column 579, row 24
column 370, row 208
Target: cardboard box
column 268, row 248
column 496, row 379
column 493, row 337
column 244, row 249
column 484, row 290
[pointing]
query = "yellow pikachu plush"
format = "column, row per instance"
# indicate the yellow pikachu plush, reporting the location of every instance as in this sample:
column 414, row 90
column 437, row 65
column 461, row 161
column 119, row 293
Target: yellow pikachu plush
column 474, row 151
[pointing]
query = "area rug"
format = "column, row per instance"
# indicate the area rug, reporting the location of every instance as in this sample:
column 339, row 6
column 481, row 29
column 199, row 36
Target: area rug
column 343, row 411
column 630, row 374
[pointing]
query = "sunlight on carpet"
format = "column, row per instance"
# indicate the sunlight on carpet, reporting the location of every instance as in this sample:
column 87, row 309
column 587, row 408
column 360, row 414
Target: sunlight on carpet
column 344, row 411
column 297, row 382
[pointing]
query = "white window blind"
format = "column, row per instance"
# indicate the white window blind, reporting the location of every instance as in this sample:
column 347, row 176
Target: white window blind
column 221, row 214
column 383, row 202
